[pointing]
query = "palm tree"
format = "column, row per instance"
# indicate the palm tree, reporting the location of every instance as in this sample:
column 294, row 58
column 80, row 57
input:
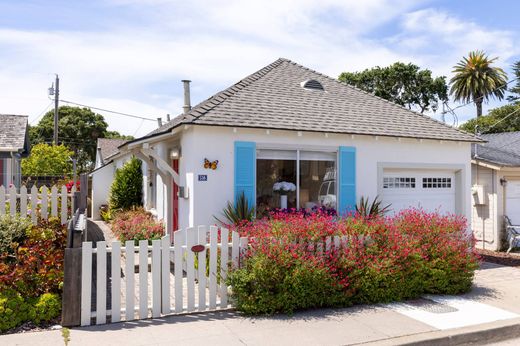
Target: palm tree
column 476, row 80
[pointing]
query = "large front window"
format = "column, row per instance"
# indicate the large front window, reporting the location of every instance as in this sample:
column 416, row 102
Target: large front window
column 295, row 179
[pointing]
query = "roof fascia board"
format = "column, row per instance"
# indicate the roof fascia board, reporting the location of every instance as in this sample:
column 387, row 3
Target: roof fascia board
column 486, row 164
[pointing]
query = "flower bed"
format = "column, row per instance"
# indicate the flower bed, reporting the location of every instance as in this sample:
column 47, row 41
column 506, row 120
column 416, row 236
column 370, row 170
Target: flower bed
column 136, row 224
column 31, row 271
column 387, row 259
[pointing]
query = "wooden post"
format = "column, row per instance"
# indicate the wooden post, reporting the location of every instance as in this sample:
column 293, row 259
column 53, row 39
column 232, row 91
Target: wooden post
column 71, row 299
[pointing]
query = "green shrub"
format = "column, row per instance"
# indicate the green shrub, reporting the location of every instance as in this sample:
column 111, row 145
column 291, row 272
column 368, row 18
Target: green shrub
column 12, row 232
column 47, row 307
column 263, row 286
column 14, row 310
column 127, row 189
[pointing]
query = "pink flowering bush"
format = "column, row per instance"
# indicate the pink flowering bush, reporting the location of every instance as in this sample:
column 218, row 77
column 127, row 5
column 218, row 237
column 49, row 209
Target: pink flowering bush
column 288, row 265
column 136, row 224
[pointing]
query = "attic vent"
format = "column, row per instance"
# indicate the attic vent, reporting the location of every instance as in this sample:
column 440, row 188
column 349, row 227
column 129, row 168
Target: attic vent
column 312, row 84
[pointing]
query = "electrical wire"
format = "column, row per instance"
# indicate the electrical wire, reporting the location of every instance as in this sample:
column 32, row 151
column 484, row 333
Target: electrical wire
column 483, row 96
column 108, row 110
column 42, row 113
column 138, row 128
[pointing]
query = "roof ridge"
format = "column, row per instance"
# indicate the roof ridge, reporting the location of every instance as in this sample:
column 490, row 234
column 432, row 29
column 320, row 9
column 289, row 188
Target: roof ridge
column 500, row 133
column 226, row 93
column 235, row 88
column 14, row 115
column 380, row 98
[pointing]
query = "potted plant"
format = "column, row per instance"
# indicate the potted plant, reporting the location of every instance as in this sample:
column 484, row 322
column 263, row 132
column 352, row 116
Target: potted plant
column 283, row 188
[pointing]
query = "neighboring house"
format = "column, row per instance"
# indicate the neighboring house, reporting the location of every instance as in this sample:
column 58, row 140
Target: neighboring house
column 106, row 148
column 14, row 145
column 496, row 187
column 103, row 173
column 288, row 123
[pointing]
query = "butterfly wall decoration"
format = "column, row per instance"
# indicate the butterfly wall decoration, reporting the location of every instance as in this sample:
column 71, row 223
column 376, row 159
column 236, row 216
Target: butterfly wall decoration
column 210, row 164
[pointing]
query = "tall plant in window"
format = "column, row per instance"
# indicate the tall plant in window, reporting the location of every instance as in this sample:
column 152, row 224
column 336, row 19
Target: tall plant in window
column 283, row 188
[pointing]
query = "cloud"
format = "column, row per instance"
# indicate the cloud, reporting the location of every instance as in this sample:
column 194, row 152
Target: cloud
column 135, row 60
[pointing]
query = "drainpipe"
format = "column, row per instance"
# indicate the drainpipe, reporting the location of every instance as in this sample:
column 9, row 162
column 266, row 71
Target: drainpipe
column 187, row 100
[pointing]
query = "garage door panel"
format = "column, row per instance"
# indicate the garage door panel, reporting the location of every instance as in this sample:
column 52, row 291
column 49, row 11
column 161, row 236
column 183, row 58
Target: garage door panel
column 428, row 190
column 513, row 201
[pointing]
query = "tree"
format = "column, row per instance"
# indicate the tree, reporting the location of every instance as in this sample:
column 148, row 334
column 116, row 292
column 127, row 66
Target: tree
column 79, row 129
column 404, row 84
column 48, row 160
column 516, row 88
column 477, row 80
column 127, row 188
column 501, row 119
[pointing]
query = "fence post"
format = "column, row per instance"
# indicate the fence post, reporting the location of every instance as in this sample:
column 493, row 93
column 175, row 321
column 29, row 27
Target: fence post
column 71, row 299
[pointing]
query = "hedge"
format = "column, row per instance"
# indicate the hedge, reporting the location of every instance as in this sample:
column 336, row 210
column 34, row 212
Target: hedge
column 387, row 259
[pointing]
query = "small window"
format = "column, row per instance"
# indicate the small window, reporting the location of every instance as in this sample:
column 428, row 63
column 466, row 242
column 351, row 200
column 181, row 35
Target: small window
column 436, row 183
column 398, row 183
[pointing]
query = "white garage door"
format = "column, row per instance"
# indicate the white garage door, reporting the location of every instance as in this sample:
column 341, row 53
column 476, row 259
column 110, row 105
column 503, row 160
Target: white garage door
column 429, row 190
column 513, row 201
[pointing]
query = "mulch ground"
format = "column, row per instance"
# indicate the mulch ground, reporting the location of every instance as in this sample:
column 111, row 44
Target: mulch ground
column 31, row 327
column 511, row 259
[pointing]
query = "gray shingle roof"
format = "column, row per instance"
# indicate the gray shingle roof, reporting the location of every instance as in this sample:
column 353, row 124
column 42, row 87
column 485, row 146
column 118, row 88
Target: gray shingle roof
column 13, row 130
column 273, row 98
column 502, row 149
column 109, row 147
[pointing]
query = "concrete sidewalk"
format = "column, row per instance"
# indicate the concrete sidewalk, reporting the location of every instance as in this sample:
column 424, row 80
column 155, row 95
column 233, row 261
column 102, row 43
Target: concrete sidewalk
column 495, row 287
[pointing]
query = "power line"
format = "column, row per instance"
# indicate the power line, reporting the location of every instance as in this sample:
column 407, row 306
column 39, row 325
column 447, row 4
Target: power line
column 504, row 118
column 482, row 97
column 108, row 110
column 42, row 113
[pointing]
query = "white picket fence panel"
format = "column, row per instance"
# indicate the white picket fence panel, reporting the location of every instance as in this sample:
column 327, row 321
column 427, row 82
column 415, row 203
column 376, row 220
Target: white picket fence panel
column 189, row 288
column 154, row 290
column 25, row 202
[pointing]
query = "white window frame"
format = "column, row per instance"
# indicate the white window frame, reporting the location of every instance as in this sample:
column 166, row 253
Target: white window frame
column 330, row 150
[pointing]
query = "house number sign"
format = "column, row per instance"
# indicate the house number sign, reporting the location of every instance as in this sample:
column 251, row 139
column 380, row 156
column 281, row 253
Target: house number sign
column 203, row 177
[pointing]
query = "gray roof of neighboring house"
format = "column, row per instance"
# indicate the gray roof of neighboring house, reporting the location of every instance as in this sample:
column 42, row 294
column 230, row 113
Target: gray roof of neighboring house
column 14, row 133
column 502, row 149
column 109, row 147
column 273, row 98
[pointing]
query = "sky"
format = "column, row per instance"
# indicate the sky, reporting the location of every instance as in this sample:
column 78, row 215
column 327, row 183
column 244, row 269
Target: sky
column 131, row 55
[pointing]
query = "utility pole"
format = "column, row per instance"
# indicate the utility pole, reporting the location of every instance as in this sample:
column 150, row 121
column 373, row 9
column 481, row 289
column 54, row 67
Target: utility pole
column 56, row 104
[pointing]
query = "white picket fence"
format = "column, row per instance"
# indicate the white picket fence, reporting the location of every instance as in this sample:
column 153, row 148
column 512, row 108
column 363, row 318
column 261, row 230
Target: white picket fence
column 49, row 202
column 193, row 285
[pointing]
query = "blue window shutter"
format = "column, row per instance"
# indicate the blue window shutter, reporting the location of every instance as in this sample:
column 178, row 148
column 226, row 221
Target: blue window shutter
column 347, row 179
column 245, row 168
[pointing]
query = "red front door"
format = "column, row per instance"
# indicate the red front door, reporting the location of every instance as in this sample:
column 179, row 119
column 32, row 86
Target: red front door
column 175, row 166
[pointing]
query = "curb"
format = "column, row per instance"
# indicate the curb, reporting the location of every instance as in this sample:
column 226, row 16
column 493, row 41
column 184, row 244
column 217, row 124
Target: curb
column 480, row 334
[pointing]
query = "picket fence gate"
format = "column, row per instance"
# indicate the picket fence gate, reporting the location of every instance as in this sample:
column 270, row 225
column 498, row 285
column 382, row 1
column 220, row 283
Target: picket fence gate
column 49, row 202
column 190, row 287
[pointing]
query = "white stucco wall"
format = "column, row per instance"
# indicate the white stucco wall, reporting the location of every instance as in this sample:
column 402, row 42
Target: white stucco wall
column 217, row 143
column 101, row 181
column 485, row 217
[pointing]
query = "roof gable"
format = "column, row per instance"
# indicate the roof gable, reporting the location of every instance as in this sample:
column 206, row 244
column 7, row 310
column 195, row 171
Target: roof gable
column 109, row 146
column 14, row 136
column 274, row 98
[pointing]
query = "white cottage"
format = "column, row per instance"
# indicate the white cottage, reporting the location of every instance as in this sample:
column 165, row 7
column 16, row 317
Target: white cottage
column 288, row 123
